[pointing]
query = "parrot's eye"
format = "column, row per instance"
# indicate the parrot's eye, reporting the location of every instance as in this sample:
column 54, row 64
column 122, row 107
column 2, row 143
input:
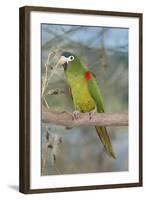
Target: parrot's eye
column 71, row 58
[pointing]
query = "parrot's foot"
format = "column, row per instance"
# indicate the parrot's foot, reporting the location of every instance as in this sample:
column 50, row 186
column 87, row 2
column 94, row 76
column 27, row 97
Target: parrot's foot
column 76, row 115
column 92, row 113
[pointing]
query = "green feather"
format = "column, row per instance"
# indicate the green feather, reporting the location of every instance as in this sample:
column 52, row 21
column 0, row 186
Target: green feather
column 95, row 92
column 87, row 96
column 101, row 131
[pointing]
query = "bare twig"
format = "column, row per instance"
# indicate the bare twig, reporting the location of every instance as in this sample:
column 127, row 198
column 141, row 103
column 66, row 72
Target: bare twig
column 57, row 169
column 45, row 102
column 50, row 149
column 45, row 80
column 55, row 91
column 48, row 77
column 53, row 72
column 45, row 152
column 100, row 119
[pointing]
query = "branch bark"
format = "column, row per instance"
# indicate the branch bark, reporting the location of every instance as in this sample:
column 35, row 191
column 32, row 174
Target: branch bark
column 100, row 119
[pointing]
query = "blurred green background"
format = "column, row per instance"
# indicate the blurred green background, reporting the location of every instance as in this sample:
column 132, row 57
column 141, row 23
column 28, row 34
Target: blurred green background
column 104, row 51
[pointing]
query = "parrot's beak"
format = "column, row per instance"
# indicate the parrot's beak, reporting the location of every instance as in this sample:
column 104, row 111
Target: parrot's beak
column 63, row 62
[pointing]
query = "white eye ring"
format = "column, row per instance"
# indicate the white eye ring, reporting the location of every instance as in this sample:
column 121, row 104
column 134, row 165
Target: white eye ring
column 71, row 58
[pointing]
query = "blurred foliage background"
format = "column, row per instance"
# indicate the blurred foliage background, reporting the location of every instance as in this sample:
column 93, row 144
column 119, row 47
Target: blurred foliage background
column 104, row 51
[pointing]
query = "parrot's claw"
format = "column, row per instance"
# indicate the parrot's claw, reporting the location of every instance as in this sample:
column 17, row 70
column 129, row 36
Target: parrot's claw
column 76, row 115
column 92, row 113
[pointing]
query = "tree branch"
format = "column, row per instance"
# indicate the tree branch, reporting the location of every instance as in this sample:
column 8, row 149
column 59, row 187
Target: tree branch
column 100, row 119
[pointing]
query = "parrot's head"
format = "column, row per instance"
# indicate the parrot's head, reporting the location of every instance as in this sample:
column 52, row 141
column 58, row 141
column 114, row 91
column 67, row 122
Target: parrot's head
column 67, row 59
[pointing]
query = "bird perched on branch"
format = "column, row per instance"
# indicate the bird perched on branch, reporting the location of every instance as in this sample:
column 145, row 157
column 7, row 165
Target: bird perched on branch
column 85, row 94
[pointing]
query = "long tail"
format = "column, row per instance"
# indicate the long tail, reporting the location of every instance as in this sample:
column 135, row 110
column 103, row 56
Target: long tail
column 103, row 135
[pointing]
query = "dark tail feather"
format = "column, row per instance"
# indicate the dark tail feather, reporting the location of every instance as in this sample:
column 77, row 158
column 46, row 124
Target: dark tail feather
column 103, row 135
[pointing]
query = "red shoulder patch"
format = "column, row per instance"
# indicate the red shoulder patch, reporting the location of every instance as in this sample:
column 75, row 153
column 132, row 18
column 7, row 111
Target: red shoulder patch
column 87, row 75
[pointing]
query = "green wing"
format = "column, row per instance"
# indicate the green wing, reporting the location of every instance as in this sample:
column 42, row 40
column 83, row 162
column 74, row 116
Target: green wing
column 95, row 92
column 101, row 131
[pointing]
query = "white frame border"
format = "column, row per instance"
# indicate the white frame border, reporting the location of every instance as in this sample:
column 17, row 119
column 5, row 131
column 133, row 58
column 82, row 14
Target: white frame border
column 132, row 176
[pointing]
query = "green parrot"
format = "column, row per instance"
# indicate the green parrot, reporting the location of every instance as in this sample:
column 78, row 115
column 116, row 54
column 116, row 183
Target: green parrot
column 85, row 94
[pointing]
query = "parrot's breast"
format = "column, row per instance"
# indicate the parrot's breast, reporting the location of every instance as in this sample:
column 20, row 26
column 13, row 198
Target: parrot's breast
column 82, row 98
